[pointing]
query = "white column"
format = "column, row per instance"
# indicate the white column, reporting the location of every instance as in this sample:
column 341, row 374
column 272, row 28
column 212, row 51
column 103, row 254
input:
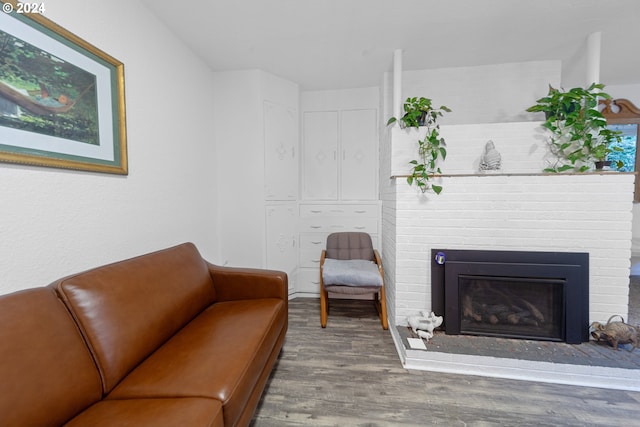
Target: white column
column 397, row 83
column 593, row 57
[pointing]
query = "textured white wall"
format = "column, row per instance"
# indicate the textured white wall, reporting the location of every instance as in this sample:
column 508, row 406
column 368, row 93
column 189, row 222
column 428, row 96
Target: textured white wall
column 55, row 222
column 484, row 94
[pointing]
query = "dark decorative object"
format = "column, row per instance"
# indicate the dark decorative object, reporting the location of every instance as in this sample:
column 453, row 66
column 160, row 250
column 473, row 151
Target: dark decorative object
column 616, row 333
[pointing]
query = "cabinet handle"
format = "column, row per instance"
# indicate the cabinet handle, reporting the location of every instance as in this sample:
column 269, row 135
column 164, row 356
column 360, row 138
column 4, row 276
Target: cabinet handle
column 316, row 243
column 316, row 211
column 315, row 260
column 360, row 227
column 316, row 226
column 361, row 211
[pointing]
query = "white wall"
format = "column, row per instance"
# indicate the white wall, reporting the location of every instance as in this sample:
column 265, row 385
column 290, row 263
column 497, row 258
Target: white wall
column 484, row 94
column 630, row 92
column 238, row 125
column 56, row 222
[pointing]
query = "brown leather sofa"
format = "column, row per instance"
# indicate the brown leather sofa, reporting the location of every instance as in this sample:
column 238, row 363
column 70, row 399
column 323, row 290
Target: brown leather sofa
column 164, row 339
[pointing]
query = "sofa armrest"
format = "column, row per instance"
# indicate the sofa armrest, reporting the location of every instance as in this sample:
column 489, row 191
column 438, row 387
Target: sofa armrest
column 248, row 283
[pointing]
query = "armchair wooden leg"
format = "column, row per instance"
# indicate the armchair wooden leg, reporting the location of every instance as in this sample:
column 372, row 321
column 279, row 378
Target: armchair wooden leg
column 381, row 306
column 324, row 306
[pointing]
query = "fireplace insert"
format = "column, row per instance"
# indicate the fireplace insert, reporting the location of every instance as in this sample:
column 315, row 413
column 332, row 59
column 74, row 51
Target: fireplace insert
column 514, row 294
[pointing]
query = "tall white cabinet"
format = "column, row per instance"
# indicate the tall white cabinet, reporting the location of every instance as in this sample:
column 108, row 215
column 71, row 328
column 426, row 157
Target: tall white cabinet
column 281, row 188
column 256, row 129
column 281, row 152
column 320, row 161
column 292, row 167
column 340, row 155
column 339, row 173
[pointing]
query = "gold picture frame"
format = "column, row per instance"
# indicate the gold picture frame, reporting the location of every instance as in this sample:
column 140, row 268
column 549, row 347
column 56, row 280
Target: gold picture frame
column 62, row 100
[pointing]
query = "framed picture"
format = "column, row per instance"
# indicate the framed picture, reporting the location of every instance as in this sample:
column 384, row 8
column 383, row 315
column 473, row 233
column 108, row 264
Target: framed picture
column 61, row 99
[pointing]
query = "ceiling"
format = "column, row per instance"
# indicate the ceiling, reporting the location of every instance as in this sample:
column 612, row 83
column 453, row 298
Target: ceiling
column 337, row 44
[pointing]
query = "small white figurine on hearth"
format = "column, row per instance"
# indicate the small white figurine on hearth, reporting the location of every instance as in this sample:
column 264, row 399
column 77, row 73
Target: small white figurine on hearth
column 491, row 160
column 424, row 324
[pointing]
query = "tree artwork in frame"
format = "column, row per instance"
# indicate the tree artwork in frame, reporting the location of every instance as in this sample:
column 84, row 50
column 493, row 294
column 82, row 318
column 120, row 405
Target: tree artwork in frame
column 61, row 99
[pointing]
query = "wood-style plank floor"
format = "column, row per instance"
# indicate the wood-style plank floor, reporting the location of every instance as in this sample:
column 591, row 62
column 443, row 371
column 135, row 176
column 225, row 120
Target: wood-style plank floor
column 349, row 374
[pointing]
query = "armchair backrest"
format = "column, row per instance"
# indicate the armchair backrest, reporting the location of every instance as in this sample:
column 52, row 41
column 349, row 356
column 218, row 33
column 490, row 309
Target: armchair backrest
column 350, row 245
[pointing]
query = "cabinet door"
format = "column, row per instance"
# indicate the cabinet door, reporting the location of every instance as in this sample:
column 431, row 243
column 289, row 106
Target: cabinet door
column 280, row 148
column 282, row 251
column 358, row 170
column 320, row 161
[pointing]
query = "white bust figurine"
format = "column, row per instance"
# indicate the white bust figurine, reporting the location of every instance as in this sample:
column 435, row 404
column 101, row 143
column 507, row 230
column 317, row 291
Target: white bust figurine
column 491, row 160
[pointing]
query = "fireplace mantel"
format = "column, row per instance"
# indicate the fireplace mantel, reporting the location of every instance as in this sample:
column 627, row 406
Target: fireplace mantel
column 488, row 174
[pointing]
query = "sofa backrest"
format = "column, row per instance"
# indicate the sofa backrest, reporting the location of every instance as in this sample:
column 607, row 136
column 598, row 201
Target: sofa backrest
column 47, row 374
column 126, row 310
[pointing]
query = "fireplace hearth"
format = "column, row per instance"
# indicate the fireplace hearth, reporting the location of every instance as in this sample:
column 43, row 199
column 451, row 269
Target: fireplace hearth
column 514, row 294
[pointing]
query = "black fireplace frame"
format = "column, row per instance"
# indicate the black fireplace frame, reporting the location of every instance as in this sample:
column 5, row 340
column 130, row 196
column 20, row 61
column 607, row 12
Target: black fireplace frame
column 573, row 266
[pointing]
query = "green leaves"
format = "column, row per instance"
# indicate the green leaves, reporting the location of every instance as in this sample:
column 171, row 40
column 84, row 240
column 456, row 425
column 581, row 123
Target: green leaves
column 579, row 132
column 432, row 149
column 436, row 188
column 419, row 112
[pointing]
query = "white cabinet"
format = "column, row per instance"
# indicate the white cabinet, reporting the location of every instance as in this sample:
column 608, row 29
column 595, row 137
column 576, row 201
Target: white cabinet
column 317, row 221
column 359, row 142
column 256, row 132
column 281, row 154
column 340, row 155
column 320, row 167
column 339, row 174
column 281, row 237
column 281, row 188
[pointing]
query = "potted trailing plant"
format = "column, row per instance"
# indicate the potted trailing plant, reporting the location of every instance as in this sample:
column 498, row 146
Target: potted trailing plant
column 420, row 112
column 579, row 134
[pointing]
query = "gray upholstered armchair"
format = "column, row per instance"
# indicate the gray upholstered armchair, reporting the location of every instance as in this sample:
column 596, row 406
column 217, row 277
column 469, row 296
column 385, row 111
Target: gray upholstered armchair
column 350, row 265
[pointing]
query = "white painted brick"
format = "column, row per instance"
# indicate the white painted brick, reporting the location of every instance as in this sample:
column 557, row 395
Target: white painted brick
column 568, row 213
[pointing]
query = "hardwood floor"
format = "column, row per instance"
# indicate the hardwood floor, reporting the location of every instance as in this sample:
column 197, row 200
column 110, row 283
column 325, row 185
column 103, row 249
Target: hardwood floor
column 349, row 374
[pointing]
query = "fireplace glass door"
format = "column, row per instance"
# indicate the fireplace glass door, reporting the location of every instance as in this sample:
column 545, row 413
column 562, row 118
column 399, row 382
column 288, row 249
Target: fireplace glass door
column 511, row 307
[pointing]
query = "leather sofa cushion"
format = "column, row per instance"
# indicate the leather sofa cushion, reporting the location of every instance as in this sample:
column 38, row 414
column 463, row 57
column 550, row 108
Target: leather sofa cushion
column 46, row 372
column 191, row 412
column 126, row 310
column 221, row 355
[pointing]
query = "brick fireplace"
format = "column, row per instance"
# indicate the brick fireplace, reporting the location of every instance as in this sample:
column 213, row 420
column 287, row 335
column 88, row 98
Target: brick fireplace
column 516, row 209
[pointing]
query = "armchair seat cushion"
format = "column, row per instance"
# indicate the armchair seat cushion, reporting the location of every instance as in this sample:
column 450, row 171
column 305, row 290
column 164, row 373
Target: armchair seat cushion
column 351, row 272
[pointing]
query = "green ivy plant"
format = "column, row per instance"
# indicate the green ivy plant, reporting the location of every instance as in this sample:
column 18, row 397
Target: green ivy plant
column 579, row 133
column 420, row 112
